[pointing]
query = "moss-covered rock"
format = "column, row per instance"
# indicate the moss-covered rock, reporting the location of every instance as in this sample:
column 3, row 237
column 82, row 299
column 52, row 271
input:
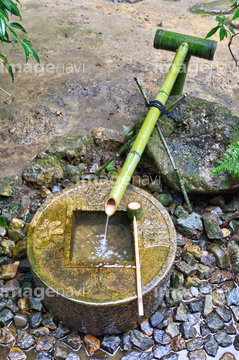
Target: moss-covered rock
column 9, row 185
column 19, row 251
column 165, row 199
column 233, row 249
column 107, row 138
column 72, row 147
column 43, row 171
column 220, row 255
column 15, row 234
column 73, row 172
column 196, row 139
column 213, row 7
column 212, row 226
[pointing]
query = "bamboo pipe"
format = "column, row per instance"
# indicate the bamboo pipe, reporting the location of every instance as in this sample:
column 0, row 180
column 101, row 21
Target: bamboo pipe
column 166, row 147
column 150, row 121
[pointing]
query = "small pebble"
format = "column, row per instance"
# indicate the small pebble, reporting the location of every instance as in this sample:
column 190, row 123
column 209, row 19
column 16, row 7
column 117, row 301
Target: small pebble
column 20, row 320
column 16, row 354
column 3, row 231
column 92, row 343
column 73, row 340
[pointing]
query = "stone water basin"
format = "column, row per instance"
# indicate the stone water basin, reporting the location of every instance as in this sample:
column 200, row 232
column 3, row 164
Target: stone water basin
column 89, row 283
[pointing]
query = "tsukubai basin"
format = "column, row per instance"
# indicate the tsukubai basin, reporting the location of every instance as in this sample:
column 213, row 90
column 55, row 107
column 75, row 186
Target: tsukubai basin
column 88, row 282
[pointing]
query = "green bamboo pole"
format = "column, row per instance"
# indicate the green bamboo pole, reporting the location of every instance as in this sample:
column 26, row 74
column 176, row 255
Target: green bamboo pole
column 166, row 146
column 130, row 140
column 149, row 123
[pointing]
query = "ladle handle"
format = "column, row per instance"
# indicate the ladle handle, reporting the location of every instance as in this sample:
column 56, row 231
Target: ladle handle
column 138, row 276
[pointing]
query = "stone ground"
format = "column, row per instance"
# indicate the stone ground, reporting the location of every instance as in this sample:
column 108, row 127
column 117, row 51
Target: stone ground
column 199, row 315
column 90, row 51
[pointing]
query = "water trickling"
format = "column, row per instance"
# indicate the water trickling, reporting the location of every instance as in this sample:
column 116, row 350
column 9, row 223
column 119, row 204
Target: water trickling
column 106, row 226
column 97, row 240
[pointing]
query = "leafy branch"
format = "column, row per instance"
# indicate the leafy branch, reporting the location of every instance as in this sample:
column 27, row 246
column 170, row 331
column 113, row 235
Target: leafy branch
column 8, row 7
column 226, row 27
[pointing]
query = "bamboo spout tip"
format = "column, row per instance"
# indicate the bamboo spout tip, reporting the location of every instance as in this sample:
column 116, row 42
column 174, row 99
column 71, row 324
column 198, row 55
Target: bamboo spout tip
column 110, row 206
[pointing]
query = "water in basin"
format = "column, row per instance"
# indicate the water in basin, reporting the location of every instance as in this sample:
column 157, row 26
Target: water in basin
column 91, row 242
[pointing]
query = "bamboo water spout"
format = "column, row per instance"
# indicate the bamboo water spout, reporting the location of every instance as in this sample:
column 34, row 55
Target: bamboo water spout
column 138, row 147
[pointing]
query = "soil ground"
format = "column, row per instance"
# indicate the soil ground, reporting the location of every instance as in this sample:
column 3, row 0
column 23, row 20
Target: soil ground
column 90, row 51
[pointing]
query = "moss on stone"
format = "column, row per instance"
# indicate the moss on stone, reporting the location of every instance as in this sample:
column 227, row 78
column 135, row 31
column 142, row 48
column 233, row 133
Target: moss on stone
column 196, row 140
column 43, row 171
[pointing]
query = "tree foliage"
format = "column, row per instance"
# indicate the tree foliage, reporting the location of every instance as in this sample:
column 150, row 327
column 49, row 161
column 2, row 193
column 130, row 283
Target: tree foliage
column 8, row 32
column 226, row 27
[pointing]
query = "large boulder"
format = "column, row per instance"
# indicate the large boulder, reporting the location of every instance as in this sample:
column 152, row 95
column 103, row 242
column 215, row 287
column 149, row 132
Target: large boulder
column 197, row 138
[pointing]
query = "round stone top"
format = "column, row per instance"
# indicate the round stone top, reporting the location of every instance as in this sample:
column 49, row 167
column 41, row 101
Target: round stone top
column 69, row 251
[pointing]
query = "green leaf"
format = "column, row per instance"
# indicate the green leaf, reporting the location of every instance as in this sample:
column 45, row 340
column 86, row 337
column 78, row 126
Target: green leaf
column 223, row 32
column 213, row 31
column 14, row 34
column 7, row 5
column 28, row 48
column 236, row 15
column 3, row 55
column 6, row 40
column 230, row 28
column 235, row 5
column 3, row 26
column 3, row 60
column 14, row 9
column 4, row 13
column 6, row 37
column 18, row 26
column 126, row 129
column 221, row 20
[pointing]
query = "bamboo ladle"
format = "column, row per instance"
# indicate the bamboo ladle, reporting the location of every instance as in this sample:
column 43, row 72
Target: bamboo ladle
column 134, row 210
